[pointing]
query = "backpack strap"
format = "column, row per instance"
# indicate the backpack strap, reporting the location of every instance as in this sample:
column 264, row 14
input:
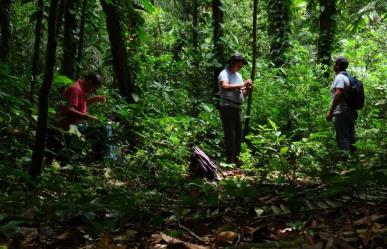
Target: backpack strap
column 349, row 79
column 345, row 86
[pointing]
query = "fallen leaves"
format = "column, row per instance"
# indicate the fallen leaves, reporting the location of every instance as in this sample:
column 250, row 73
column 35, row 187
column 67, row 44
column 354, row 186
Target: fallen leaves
column 161, row 240
column 226, row 238
column 107, row 242
column 31, row 236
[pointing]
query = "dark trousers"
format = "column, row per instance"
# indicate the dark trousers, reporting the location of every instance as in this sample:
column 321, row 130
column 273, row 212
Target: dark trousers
column 345, row 130
column 63, row 146
column 58, row 145
column 232, row 127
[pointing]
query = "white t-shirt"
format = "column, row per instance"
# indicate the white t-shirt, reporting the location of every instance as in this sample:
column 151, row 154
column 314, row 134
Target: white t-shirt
column 340, row 81
column 230, row 97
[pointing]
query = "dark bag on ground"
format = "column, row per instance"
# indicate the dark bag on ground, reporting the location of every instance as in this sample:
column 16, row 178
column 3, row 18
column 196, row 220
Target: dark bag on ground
column 202, row 166
column 354, row 95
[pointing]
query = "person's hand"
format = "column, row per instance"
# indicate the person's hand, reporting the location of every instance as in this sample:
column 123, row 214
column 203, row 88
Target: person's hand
column 329, row 116
column 248, row 83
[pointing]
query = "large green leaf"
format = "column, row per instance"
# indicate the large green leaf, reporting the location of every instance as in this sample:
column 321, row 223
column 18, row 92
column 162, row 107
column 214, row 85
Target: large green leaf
column 148, row 6
column 62, row 80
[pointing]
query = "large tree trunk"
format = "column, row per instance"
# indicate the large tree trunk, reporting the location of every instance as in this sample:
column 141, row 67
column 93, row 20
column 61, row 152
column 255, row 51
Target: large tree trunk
column 5, row 6
column 81, row 38
column 279, row 18
column 217, row 16
column 36, row 55
column 41, row 129
column 328, row 13
column 118, row 49
column 253, row 67
column 69, row 40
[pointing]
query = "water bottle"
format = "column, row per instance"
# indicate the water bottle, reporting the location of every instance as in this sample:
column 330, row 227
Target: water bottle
column 112, row 149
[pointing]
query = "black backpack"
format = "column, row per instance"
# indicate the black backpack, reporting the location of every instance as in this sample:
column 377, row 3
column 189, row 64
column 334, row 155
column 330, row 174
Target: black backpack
column 354, row 94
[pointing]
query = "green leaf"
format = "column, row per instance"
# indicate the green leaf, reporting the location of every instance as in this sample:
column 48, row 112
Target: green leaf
column 284, row 150
column 174, row 139
column 213, row 199
column 62, row 80
column 148, row 6
column 135, row 97
column 24, row 2
column 74, row 130
column 12, row 226
column 189, row 200
column 275, row 127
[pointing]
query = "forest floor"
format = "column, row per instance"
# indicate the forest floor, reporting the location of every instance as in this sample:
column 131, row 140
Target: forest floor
column 311, row 218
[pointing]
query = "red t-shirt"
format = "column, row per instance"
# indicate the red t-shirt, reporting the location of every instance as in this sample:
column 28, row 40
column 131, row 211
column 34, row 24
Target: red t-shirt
column 75, row 96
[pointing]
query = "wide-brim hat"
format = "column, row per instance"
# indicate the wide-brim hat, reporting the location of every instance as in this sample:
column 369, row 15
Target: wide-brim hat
column 237, row 57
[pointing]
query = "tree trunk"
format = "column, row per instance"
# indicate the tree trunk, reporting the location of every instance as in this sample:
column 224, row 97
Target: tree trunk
column 81, row 38
column 217, row 16
column 5, row 6
column 118, row 49
column 278, row 18
column 195, row 34
column 69, row 40
column 253, row 67
column 41, row 129
column 60, row 14
column 328, row 13
column 36, row 56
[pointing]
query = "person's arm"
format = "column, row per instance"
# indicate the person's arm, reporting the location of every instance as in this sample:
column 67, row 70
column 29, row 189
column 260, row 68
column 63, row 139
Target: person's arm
column 227, row 86
column 96, row 99
column 77, row 114
column 336, row 100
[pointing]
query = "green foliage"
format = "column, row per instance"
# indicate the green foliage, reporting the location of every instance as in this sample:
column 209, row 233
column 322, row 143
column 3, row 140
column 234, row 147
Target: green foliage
column 290, row 140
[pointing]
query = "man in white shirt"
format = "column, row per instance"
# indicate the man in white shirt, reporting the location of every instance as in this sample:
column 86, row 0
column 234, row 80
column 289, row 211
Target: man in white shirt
column 344, row 116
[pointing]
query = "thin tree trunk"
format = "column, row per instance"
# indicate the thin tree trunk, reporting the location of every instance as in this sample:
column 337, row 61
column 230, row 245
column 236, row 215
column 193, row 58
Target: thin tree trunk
column 69, row 40
column 328, row 13
column 195, row 35
column 253, row 67
column 217, row 16
column 5, row 6
column 60, row 14
column 118, row 49
column 41, row 129
column 36, row 56
column 81, row 37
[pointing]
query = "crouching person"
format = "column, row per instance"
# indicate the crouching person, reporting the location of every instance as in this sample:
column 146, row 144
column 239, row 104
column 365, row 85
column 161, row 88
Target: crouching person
column 75, row 112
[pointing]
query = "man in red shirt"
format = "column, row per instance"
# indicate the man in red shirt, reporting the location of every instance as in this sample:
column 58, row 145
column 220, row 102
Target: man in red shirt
column 74, row 112
column 77, row 100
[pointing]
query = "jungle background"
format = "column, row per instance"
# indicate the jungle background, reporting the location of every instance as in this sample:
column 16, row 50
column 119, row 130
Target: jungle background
column 160, row 60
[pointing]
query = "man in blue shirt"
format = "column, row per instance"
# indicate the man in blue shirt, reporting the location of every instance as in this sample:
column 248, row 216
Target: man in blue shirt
column 232, row 92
